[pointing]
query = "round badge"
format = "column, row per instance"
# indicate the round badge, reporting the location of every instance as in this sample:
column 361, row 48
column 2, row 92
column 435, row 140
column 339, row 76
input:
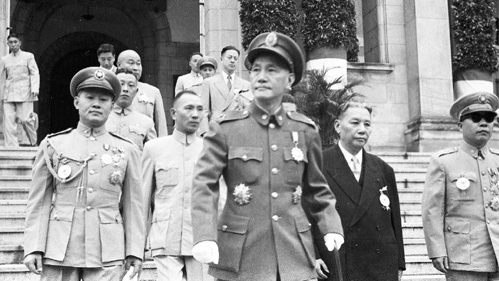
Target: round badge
column 385, row 201
column 463, row 183
column 64, row 171
column 297, row 154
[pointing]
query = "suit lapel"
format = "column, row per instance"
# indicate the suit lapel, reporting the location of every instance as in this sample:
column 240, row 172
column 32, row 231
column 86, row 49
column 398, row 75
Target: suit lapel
column 222, row 86
column 370, row 189
column 340, row 172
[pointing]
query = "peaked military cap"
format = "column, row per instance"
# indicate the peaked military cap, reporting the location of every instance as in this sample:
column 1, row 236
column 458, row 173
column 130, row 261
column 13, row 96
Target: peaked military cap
column 280, row 45
column 475, row 102
column 207, row 60
column 95, row 77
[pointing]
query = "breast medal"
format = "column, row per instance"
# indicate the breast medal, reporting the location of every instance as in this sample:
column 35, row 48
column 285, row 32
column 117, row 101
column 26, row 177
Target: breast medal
column 463, row 183
column 242, row 194
column 297, row 195
column 383, row 199
column 106, row 159
column 296, row 152
column 64, row 171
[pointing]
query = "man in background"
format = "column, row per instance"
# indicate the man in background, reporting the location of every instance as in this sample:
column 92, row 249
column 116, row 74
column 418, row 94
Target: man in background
column 192, row 78
column 106, row 57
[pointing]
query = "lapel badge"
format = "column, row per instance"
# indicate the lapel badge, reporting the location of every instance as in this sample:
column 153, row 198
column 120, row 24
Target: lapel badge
column 116, row 176
column 242, row 194
column 106, row 146
column 142, row 98
column 385, row 201
column 296, row 152
column 106, row 159
column 64, row 171
column 463, row 183
column 297, row 195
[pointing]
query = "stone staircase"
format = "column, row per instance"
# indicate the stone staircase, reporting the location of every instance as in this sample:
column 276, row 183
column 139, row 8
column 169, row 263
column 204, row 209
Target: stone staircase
column 15, row 176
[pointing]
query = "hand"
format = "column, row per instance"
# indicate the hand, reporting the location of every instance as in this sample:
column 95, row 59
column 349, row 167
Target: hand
column 400, row 274
column 319, row 266
column 34, row 94
column 441, row 264
column 206, row 252
column 34, row 263
column 333, row 241
column 135, row 262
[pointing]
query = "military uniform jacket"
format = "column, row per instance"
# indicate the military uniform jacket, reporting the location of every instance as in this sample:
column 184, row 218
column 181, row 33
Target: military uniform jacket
column 374, row 248
column 461, row 208
column 263, row 227
column 187, row 81
column 20, row 76
column 92, row 215
column 168, row 167
column 132, row 125
column 148, row 101
column 217, row 97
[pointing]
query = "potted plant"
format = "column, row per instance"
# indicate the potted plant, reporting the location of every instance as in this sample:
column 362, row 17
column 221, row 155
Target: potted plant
column 316, row 98
column 474, row 54
column 330, row 36
column 258, row 16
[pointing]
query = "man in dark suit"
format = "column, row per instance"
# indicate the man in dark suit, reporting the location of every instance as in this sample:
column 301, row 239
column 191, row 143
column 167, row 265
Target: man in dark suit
column 367, row 201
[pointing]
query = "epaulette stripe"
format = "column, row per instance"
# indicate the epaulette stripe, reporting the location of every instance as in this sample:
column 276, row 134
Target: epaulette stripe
column 495, row 151
column 301, row 118
column 121, row 137
column 447, row 151
column 232, row 115
column 60, row 133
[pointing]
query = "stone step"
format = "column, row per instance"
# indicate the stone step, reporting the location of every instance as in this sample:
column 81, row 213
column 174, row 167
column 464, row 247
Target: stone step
column 15, row 181
column 410, row 230
column 409, row 184
column 15, row 169
column 11, row 254
column 420, row 265
column 411, row 217
column 423, row 277
column 14, row 192
column 415, row 194
column 391, row 157
column 19, row 272
column 11, row 235
column 415, row 247
column 410, row 205
column 13, row 206
column 12, row 219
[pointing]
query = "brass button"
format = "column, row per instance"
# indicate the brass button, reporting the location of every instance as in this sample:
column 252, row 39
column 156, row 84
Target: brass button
column 245, row 112
column 265, row 116
column 245, row 157
column 90, row 190
column 274, row 195
column 488, row 221
column 274, row 171
column 272, row 126
column 224, row 227
column 280, row 118
column 92, row 172
column 89, row 208
column 484, row 190
column 55, row 216
column 273, row 147
column 483, row 173
column 449, row 228
column 275, row 218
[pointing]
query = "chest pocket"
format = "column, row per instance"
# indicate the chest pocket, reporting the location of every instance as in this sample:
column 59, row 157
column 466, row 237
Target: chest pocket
column 245, row 163
column 467, row 194
column 167, row 176
column 292, row 167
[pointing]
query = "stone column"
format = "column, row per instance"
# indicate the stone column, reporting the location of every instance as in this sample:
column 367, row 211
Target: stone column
column 429, row 76
column 222, row 28
column 4, row 23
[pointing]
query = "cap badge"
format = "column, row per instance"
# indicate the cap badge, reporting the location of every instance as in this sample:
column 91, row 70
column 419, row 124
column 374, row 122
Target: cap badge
column 99, row 75
column 482, row 98
column 271, row 39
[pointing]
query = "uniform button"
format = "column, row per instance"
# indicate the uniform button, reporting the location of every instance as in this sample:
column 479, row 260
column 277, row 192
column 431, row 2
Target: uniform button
column 275, row 218
column 378, row 228
column 274, row 195
column 245, row 157
column 449, row 228
column 55, row 216
column 472, row 151
column 265, row 116
column 86, row 131
column 486, row 206
column 274, row 171
column 90, row 190
column 272, row 126
column 483, row 173
column 89, row 208
column 273, row 147
column 92, row 138
column 280, row 118
column 378, row 251
column 224, row 227
column 488, row 221
column 245, row 112
column 92, row 172
column 484, row 190
column 356, row 245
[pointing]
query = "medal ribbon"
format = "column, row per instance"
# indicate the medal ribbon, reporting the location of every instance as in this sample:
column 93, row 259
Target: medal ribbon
column 53, row 172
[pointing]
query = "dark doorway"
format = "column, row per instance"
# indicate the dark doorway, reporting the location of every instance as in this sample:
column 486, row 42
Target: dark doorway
column 62, row 111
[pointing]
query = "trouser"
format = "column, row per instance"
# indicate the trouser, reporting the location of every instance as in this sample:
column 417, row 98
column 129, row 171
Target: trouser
column 171, row 268
column 22, row 111
column 66, row 273
column 457, row 275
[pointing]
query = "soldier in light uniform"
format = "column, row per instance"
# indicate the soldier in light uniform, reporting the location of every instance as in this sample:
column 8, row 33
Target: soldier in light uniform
column 84, row 216
column 168, row 164
column 125, row 121
column 271, row 161
column 186, row 81
column 148, row 100
column 461, row 196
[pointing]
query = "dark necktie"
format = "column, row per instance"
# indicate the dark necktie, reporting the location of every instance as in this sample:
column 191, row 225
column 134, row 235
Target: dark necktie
column 480, row 155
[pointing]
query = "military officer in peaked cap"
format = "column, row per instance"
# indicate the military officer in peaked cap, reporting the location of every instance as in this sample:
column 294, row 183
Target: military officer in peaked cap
column 84, row 215
column 461, row 196
column 271, row 162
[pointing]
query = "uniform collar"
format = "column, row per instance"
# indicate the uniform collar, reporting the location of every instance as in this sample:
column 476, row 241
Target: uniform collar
column 183, row 138
column 194, row 74
column 473, row 151
column 120, row 110
column 88, row 132
column 263, row 117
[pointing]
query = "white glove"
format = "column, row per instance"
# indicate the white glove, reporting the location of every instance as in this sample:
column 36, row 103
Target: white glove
column 333, row 240
column 206, row 252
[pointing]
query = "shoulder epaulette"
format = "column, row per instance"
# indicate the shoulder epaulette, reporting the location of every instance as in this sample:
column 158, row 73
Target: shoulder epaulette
column 60, row 133
column 121, row 137
column 231, row 115
column 495, row 151
column 447, row 151
column 301, row 118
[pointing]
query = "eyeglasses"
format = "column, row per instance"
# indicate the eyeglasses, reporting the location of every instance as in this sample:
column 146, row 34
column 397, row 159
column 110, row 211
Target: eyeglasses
column 477, row 117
